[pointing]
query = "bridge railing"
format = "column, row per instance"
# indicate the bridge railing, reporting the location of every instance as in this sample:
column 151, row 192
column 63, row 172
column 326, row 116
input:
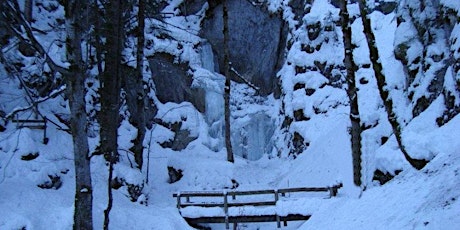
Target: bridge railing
column 223, row 202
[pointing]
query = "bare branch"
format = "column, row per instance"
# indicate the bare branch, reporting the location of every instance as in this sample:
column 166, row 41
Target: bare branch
column 244, row 79
column 53, row 94
column 29, row 37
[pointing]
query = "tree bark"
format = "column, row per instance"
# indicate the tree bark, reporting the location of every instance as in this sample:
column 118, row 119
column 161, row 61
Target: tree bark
column 384, row 93
column 350, row 65
column 78, row 120
column 28, row 10
column 110, row 80
column 110, row 90
column 228, row 143
column 74, row 77
column 139, row 112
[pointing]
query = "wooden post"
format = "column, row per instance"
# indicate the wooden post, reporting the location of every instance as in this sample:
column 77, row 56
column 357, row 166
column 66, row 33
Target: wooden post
column 17, row 121
column 45, row 139
column 227, row 226
column 178, row 202
column 278, row 224
column 335, row 190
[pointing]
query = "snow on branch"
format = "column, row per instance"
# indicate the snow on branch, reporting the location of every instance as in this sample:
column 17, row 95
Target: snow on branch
column 53, row 94
column 256, row 2
column 29, row 37
column 244, row 79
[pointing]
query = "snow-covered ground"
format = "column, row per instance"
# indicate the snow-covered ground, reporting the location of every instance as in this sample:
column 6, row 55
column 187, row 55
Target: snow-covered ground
column 426, row 199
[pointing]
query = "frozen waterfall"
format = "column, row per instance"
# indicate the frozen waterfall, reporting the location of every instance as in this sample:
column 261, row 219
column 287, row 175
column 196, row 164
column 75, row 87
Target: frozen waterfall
column 252, row 128
column 213, row 84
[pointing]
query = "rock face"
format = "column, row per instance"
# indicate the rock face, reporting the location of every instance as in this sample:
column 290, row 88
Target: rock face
column 256, row 41
column 172, row 82
column 191, row 7
column 174, row 174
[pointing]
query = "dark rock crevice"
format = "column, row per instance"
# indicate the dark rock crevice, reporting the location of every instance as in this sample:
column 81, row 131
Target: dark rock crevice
column 256, row 41
column 173, row 83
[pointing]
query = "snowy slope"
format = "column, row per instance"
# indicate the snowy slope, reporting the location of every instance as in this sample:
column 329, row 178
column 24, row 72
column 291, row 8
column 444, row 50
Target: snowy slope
column 426, row 199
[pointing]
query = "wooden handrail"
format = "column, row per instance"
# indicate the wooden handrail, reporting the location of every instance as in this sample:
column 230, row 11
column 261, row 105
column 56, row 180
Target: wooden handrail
column 198, row 194
column 33, row 124
column 226, row 204
column 255, row 192
column 28, row 121
column 238, row 204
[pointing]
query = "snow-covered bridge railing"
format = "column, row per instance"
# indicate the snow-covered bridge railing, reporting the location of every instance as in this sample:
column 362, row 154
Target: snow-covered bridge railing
column 243, row 207
column 32, row 124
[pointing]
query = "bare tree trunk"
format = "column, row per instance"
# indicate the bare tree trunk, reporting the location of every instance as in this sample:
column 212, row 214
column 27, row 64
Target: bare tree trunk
column 384, row 93
column 109, row 197
column 228, row 143
column 139, row 121
column 78, row 120
column 110, row 79
column 75, row 79
column 28, row 9
column 350, row 64
column 110, row 90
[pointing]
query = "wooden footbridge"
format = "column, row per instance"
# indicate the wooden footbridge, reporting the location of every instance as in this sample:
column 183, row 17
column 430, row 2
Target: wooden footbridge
column 243, row 206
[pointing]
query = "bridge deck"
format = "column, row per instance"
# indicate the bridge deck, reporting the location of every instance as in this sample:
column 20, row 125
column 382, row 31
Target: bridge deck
column 247, row 219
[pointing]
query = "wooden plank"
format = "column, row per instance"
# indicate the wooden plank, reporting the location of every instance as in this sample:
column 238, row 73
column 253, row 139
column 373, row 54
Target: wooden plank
column 246, row 219
column 254, row 192
column 221, row 193
column 239, row 204
column 288, row 190
column 199, row 194
column 32, row 126
column 27, row 121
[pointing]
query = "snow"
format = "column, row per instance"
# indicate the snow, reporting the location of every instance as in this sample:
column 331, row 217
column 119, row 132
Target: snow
column 454, row 5
column 321, row 10
column 328, row 159
column 413, row 200
column 455, row 41
column 383, row 28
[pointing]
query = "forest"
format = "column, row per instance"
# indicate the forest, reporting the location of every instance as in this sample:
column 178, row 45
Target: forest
column 111, row 110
